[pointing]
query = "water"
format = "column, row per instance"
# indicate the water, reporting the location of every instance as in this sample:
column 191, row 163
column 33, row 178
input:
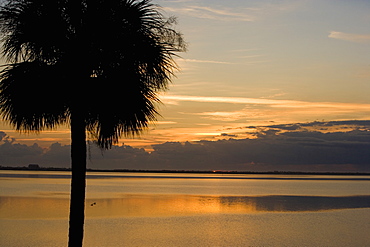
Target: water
column 148, row 209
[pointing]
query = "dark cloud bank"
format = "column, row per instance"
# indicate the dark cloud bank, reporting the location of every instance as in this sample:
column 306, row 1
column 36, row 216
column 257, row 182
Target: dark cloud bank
column 277, row 147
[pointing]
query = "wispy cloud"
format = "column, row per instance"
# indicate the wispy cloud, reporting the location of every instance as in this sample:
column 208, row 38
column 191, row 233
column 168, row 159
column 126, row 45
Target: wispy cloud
column 358, row 38
column 245, row 11
column 232, row 100
column 244, row 60
column 179, row 1
column 230, row 116
column 251, row 56
column 271, row 102
column 245, row 50
column 206, row 61
column 165, row 122
column 212, row 13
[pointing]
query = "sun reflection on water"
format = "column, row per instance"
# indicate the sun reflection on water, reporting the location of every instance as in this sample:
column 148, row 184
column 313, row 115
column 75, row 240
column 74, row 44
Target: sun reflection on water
column 149, row 205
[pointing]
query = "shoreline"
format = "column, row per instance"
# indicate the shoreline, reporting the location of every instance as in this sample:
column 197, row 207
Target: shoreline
column 25, row 168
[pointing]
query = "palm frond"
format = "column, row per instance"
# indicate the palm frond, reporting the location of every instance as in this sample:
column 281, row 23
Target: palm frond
column 30, row 97
column 135, row 63
column 33, row 30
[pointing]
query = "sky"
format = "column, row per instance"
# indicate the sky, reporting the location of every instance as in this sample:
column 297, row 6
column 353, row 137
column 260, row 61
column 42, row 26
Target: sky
column 264, row 85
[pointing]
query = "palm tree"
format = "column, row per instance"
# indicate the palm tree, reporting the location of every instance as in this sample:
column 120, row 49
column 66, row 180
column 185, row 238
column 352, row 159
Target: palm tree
column 96, row 65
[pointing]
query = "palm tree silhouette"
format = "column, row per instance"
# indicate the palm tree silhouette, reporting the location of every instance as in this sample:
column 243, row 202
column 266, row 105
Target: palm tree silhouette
column 96, row 65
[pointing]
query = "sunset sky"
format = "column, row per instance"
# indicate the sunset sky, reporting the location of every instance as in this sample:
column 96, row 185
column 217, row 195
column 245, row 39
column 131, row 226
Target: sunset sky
column 254, row 65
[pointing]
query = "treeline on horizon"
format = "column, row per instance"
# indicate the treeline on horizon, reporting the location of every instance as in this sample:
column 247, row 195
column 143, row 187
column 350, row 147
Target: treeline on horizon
column 26, row 168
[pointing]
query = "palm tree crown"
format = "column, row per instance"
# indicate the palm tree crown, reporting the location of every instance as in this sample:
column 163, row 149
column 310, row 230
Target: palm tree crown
column 105, row 59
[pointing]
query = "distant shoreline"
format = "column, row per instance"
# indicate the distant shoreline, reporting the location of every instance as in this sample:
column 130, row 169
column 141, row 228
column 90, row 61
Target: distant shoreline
column 25, row 168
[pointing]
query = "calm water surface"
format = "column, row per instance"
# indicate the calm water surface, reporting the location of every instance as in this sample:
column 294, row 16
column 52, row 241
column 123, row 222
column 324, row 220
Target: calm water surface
column 149, row 209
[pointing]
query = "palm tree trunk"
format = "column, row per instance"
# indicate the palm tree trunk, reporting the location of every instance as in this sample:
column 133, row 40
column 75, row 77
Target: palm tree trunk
column 78, row 183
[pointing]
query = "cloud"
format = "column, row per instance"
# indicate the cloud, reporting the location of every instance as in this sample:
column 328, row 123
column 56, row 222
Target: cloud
column 250, row 62
column 179, row 1
column 57, row 155
column 325, row 127
column 272, row 151
column 245, row 11
column 212, row 13
column 229, row 116
column 228, row 135
column 358, row 38
column 313, row 146
column 2, row 135
column 276, row 147
column 271, row 102
column 15, row 154
column 164, row 122
column 205, row 61
column 231, row 100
